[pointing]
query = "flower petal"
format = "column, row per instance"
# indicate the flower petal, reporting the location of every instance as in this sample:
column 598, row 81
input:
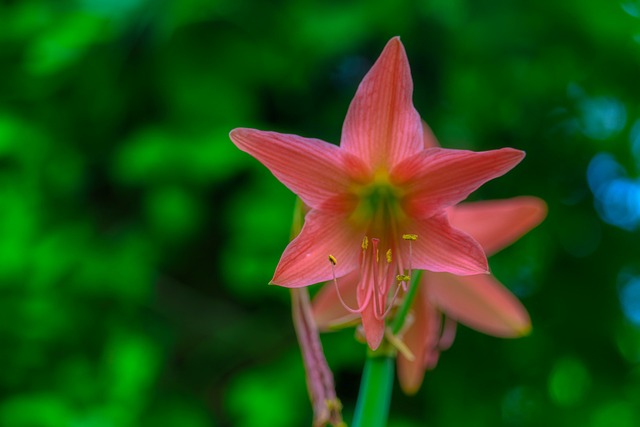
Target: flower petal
column 440, row 247
column 421, row 337
column 382, row 127
column 306, row 260
column 481, row 303
column 372, row 325
column 496, row 224
column 318, row 172
column 328, row 311
column 438, row 178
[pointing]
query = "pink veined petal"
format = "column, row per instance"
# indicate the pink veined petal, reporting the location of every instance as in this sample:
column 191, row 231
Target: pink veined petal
column 442, row 248
column 306, row 260
column 438, row 177
column 382, row 127
column 496, row 224
column 318, row 172
column 420, row 337
column 373, row 327
column 328, row 311
column 481, row 303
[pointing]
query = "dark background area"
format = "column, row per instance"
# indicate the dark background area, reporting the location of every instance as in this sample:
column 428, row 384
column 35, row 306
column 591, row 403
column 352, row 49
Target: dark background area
column 136, row 241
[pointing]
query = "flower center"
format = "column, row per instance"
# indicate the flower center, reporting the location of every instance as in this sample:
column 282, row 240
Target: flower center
column 385, row 258
column 378, row 204
column 378, row 272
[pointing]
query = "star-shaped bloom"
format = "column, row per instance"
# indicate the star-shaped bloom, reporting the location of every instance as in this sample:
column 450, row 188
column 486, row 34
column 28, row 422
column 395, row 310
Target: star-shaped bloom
column 478, row 301
column 378, row 202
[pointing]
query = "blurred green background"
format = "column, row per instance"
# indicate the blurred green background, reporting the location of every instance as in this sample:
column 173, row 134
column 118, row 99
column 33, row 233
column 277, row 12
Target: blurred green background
column 136, row 241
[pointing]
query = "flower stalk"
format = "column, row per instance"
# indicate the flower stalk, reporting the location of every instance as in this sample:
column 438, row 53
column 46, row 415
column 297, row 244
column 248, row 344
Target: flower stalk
column 374, row 398
column 326, row 406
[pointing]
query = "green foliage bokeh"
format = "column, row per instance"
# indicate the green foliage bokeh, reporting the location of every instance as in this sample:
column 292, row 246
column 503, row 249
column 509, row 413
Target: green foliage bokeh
column 136, row 241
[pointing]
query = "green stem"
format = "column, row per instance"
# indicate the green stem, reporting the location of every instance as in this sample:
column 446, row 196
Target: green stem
column 372, row 409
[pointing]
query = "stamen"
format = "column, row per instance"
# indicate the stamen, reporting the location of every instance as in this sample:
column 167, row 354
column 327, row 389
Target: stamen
column 334, row 262
column 376, row 278
column 403, row 278
column 410, row 238
column 400, row 345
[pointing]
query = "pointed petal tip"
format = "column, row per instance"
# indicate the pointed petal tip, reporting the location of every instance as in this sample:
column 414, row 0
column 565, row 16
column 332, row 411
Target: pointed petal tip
column 395, row 40
column 480, row 266
column 372, row 330
column 372, row 327
column 374, row 341
column 409, row 389
column 538, row 206
column 516, row 331
column 238, row 135
column 395, row 44
column 514, row 154
column 525, row 330
column 235, row 132
column 278, row 282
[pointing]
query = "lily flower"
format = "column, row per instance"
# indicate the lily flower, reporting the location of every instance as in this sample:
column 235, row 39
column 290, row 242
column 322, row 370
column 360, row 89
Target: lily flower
column 378, row 201
column 478, row 301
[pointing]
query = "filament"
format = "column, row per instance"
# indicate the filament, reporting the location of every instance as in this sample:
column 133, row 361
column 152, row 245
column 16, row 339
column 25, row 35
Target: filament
column 360, row 309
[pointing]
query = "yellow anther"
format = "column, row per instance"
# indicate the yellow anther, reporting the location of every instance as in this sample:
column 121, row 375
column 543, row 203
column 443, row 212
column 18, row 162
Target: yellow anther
column 403, row 278
column 333, row 260
column 410, row 237
column 389, row 256
column 365, row 243
column 333, row 404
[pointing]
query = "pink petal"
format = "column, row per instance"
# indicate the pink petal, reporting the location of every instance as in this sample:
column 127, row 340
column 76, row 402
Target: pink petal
column 373, row 327
column 306, row 260
column 382, row 127
column 496, row 224
column 481, row 303
column 420, row 337
column 440, row 247
column 328, row 311
column 439, row 177
column 318, row 172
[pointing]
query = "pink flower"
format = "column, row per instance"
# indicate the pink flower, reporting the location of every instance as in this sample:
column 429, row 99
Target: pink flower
column 478, row 301
column 379, row 185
